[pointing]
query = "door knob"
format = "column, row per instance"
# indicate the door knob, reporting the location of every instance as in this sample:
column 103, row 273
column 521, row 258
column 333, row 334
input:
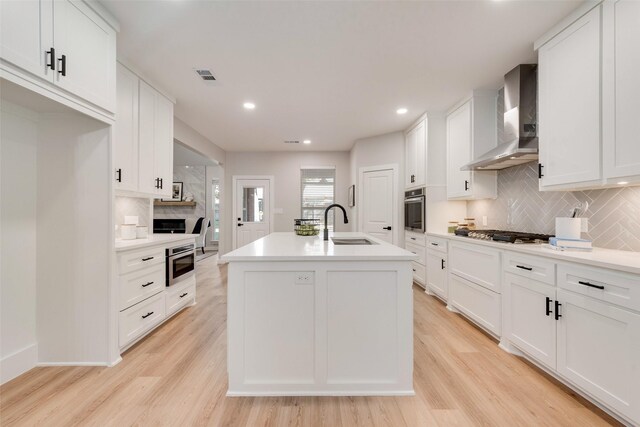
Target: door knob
column 386, row 228
column 240, row 225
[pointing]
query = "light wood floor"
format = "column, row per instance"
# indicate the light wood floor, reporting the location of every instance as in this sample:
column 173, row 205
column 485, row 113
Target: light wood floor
column 177, row 376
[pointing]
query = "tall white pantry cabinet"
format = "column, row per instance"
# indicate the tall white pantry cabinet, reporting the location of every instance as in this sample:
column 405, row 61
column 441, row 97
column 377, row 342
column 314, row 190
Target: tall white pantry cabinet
column 58, row 93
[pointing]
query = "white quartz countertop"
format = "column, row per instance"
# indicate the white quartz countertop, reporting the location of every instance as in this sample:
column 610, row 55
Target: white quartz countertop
column 290, row 247
column 153, row 240
column 599, row 257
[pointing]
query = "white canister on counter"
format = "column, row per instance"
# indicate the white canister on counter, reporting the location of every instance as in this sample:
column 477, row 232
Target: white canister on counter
column 128, row 231
column 568, row 228
column 142, row 232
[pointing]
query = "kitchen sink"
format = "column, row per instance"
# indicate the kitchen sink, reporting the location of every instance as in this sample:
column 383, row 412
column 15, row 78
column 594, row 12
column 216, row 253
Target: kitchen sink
column 352, row 241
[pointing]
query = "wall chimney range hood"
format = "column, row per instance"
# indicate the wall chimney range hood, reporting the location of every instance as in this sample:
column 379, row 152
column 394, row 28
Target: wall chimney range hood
column 520, row 123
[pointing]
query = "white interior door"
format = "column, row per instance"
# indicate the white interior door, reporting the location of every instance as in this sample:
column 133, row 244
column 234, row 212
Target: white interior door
column 252, row 210
column 377, row 204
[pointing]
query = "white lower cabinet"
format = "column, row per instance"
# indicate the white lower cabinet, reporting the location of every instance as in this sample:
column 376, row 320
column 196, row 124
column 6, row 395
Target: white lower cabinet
column 529, row 317
column 415, row 243
column 181, row 296
column 145, row 301
column 141, row 318
column 599, row 351
column 437, row 273
column 479, row 304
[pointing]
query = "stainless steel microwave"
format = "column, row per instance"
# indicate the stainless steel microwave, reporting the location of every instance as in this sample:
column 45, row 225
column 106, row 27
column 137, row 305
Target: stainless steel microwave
column 414, row 209
column 181, row 263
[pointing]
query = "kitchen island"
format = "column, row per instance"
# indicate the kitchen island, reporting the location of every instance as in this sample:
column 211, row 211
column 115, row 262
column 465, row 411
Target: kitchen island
column 308, row 317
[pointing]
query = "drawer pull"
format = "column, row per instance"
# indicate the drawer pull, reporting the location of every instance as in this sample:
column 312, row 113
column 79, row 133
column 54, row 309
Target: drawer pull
column 184, row 295
column 548, row 308
column 524, row 268
column 414, row 270
column 434, row 244
column 442, row 264
column 147, row 259
column 558, row 315
column 591, row 285
column 147, row 284
column 412, row 238
column 144, row 316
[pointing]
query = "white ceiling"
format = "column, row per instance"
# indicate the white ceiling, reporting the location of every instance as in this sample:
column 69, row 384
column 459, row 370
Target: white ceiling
column 328, row 71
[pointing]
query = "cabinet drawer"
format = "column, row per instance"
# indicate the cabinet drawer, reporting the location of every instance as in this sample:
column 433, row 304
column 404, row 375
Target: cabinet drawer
column 617, row 288
column 183, row 295
column 141, row 284
column 540, row 269
column 140, row 318
column 135, row 260
column 418, row 250
column 437, row 243
column 476, row 263
column 477, row 303
column 415, row 238
column 418, row 272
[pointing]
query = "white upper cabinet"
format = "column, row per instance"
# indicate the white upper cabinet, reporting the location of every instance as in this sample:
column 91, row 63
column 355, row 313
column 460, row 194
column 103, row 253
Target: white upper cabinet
column 142, row 138
column 85, row 53
column 471, row 131
column 621, row 91
column 26, row 35
column 125, row 131
column 416, row 155
column 589, row 99
column 569, row 113
column 155, row 143
column 63, row 49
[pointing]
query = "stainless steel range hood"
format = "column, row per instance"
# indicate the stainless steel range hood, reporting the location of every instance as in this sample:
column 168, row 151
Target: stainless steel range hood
column 520, row 123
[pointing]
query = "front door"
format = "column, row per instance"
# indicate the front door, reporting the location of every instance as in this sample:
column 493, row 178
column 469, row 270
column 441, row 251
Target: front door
column 252, row 210
column 378, row 203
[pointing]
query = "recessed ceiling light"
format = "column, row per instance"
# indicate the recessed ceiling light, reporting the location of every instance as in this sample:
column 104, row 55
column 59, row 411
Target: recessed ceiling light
column 249, row 105
column 623, row 182
column 306, row 141
column 401, row 110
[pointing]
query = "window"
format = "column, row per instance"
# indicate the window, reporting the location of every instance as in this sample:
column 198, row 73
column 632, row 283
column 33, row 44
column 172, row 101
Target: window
column 317, row 189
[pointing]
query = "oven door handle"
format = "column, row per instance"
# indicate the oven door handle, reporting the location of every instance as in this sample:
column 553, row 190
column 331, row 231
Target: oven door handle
column 415, row 200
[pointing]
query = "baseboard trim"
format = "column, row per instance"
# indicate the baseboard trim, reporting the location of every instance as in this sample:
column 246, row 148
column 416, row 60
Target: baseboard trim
column 319, row 393
column 18, row 363
column 45, row 364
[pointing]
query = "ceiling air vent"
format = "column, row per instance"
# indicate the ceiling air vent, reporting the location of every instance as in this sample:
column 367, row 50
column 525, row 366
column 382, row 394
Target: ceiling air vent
column 206, row 75
column 292, row 142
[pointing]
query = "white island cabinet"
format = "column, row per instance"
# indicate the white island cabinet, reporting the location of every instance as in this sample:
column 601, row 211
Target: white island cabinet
column 309, row 317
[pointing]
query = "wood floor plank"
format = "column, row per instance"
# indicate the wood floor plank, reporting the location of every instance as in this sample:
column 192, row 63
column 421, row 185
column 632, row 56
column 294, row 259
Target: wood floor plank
column 177, row 377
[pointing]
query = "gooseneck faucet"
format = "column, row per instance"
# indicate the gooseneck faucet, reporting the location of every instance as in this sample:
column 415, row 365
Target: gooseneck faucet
column 326, row 214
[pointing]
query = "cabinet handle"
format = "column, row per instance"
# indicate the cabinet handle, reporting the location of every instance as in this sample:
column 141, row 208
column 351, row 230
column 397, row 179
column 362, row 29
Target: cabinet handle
column 412, row 238
column 466, row 185
column 147, row 284
column 147, row 259
column 434, row 244
column 524, row 268
column 144, row 316
column 414, row 270
column 540, row 175
column 548, row 308
column 52, row 57
column 161, row 186
column 63, row 65
column 413, row 178
column 442, row 264
column 119, row 175
column 591, row 285
column 558, row 315
column 184, row 295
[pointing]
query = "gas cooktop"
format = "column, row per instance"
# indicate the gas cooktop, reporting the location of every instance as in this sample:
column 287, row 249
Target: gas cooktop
column 504, row 236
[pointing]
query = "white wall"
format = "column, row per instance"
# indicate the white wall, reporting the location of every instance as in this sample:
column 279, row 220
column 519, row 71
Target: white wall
column 380, row 150
column 191, row 138
column 18, row 156
column 285, row 167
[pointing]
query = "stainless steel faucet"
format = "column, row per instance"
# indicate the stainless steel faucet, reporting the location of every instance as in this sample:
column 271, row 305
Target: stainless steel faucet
column 326, row 214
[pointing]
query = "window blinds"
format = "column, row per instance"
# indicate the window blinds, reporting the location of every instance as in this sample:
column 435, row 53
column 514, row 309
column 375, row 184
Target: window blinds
column 317, row 188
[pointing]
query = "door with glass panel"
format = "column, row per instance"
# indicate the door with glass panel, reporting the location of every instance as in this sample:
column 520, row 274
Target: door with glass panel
column 252, row 210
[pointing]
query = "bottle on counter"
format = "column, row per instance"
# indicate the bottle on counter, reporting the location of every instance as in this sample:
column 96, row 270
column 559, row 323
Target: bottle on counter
column 452, row 227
